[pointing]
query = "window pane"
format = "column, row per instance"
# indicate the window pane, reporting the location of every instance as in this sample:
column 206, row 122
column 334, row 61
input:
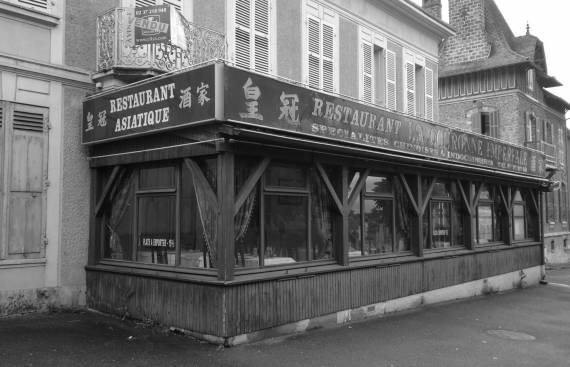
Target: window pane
column 354, row 230
column 485, row 223
column 279, row 175
column 377, row 226
column 441, row 224
column 193, row 248
column 247, row 232
column 379, row 185
column 404, row 215
column 156, row 178
column 518, row 222
column 119, row 220
column 285, row 229
column 156, row 229
column 323, row 213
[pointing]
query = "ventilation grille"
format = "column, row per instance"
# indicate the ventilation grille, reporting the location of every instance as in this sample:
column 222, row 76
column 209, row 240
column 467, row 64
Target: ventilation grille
column 28, row 121
column 41, row 4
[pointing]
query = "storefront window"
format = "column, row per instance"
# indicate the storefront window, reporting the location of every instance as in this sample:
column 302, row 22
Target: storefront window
column 372, row 225
column 297, row 216
column 141, row 220
column 491, row 216
column 446, row 216
column 519, row 220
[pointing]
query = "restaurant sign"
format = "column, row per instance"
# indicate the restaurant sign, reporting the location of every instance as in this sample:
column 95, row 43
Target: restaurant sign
column 161, row 104
column 266, row 102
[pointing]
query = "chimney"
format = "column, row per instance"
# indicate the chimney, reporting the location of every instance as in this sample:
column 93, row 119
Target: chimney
column 432, row 7
column 471, row 41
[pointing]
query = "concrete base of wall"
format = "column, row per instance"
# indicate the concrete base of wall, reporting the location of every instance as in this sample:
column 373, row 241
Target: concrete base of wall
column 500, row 283
column 41, row 299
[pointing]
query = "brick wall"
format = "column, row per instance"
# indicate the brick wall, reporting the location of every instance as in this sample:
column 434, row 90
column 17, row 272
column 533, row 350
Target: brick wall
column 470, row 43
column 432, row 7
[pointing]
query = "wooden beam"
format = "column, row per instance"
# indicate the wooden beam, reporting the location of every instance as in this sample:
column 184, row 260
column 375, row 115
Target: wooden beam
column 343, row 255
column 467, row 202
column 356, row 191
column 249, row 185
column 410, row 195
column 425, row 200
column 107, row 189
column 478, row 188
column 226, row 235
column 329, row 186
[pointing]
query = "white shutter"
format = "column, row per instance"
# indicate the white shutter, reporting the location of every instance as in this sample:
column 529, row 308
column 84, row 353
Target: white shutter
column 410, row 83
column 328, row 58
column 243, row 33
column 141, row 3
column 429, row 94
column 261, row 20
column 321, row 65
column 391, row 80
column 314, row 54
column 38, row 4
column 367, row 72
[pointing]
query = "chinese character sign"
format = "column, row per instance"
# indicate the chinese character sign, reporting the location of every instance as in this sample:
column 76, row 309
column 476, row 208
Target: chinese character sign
column 160, row 104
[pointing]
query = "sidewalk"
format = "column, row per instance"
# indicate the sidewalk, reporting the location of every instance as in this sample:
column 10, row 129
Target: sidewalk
column 529, row 327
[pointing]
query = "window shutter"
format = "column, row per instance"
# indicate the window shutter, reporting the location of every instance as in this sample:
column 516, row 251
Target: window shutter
column 28, row 170
column 261, row 50
column 494, row 124
column 243, row 33
column 328, row 57
column 391, row 80
column 314, row 45
column 141, row 3
column 476, row 122
column 410, row 74
column 367, row 80
column 38, row 4
column 429, row 94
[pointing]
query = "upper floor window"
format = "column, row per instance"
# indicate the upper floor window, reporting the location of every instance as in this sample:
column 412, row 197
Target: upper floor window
column 418, row 86
column 547, row 132
column 485, row 121
column 177, row 4
column 250, row 33
column 530, row 79
column 41, row 5
column 321, row 48
column 530, row 131
column 372, row 68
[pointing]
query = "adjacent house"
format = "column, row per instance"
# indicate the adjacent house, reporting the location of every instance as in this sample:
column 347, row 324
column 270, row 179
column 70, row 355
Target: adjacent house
column 496, row 84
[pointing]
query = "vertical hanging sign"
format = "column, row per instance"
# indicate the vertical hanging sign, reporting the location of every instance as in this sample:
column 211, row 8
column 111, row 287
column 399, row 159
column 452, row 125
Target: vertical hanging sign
column 152, row 24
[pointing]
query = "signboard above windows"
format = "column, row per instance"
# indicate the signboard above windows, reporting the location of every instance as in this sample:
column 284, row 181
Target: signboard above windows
column 249, row 100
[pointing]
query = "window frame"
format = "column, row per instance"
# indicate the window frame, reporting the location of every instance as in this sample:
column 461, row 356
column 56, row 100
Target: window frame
column 232, row 26
column 323, row 16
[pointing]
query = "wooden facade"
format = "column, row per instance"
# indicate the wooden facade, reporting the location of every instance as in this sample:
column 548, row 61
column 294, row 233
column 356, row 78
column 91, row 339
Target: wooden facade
column 247, row 216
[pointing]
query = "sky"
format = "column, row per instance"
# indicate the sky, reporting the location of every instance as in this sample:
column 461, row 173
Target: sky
column 549, row 20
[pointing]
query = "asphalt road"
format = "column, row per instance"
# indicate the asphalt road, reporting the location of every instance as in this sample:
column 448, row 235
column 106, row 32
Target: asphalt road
column 529, row 327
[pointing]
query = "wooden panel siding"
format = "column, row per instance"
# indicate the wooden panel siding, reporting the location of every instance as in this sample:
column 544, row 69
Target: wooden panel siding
column 262, row 304
column 190, row 306
column 480, row 82
column 265, row 304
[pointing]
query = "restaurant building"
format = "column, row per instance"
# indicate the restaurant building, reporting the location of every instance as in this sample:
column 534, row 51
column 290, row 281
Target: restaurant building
column 303, row 182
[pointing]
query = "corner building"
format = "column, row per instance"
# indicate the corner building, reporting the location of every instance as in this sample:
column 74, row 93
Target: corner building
column 299, row 180
column 495, row 83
